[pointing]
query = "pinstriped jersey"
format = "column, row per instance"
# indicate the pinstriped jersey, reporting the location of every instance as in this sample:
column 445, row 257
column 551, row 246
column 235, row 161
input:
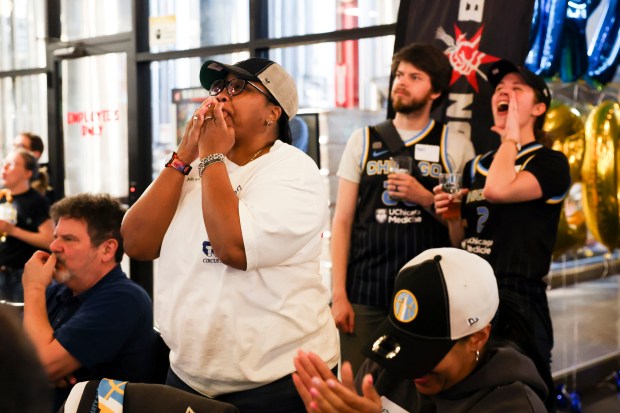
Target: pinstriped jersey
column 387, row 233
column 517, row 239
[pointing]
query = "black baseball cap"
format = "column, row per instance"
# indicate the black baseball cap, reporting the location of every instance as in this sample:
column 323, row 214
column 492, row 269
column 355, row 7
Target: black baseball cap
column 440, row 296
column 501, row 68
column 270, row 74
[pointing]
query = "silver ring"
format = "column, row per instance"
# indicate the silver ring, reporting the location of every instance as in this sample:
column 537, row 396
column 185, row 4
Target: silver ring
column 208, row 117
column 195, row 117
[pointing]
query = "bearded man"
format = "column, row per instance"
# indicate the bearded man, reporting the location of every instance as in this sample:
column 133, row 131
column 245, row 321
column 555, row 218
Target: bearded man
column 87, row 320
column 368, row 250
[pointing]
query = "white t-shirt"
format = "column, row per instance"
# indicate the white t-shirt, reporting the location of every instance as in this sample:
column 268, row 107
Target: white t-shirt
column 231, row 330
column 459, row 148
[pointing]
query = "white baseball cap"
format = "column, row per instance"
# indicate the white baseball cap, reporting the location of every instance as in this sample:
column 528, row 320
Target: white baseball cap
column 440, row 296
column 270, row 74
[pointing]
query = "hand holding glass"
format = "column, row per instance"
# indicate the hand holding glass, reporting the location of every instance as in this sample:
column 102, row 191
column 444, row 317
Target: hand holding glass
column 451, row 184
column 401, row 164
column 8, row 213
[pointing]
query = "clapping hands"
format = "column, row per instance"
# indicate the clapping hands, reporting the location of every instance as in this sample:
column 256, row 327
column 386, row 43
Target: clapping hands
column 321, row 391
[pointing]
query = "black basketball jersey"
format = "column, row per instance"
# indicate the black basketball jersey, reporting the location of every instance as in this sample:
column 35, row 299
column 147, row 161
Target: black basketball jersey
column 387, row 233
column 32, row 210
column 517, row 239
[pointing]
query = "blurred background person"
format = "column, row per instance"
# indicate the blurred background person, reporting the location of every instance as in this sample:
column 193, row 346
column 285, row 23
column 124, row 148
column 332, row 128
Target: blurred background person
column 24, row 387
column 25, row 225
column 34, row 143
column 299, row 133
column 236, row 218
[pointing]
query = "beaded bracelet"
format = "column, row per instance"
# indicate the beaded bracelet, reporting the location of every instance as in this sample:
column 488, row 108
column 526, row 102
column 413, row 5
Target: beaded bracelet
column 208, row 160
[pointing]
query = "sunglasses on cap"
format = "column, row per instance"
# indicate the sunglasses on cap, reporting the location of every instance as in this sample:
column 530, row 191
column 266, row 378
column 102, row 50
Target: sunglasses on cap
column 233, row 87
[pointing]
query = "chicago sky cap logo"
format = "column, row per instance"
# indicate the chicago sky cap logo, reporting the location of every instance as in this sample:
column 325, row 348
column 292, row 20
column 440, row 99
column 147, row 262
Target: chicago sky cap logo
column 464, row 55
column 405, row 306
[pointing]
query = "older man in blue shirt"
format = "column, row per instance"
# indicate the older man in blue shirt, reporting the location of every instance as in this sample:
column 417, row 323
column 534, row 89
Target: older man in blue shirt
column 86, row 319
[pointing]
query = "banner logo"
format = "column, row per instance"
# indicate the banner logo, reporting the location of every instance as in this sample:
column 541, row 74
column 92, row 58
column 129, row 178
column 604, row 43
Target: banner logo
column 464, row 55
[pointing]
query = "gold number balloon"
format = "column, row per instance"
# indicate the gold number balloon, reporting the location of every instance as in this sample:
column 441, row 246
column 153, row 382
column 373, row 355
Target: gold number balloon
column 565, row 128
column 600, row 173
column 572, row 230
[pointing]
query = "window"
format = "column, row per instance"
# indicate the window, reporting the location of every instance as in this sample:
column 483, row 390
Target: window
column 94, row 92
column 198, row 23
column 22, row 36
column 353, row 74
column 300, row 17
column 23, row 109
column 85, row 19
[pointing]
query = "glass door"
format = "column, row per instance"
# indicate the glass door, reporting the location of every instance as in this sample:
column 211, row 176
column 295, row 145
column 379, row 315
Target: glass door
column 94, row 123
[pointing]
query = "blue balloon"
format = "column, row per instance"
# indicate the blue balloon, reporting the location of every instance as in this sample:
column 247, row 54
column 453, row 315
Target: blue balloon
column 591, row 5
column 544, row 56
column 550, row 58
column 535, row 24
column 604, row 50
column 537, row 34
column 568, row 400
column 574, row 49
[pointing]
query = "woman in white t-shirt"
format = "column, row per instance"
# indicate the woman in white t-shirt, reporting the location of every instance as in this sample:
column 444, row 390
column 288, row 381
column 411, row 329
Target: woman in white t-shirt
column 235, row 219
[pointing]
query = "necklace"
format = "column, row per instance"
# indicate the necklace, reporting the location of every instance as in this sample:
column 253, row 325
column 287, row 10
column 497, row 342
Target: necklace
column 258, row 152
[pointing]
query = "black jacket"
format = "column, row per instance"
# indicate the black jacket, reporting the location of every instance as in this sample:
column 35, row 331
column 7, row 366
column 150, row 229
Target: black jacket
column 505, row 381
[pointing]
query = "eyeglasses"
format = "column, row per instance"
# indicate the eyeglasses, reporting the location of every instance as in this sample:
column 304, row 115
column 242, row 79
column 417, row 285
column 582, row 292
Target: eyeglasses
column 233, row 87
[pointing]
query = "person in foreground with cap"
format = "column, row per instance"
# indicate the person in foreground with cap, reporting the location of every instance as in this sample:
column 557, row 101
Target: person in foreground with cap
column 434, row 353
column 513, row 198
column 235, row 219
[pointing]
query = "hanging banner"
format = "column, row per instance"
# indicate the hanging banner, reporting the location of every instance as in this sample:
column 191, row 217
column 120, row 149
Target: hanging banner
column 473, row 34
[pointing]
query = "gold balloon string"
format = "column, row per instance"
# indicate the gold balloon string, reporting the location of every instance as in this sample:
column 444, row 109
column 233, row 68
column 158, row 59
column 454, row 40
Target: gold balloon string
column 575, row 345
column 606, row 264
column 576, row 92
column 565, row 346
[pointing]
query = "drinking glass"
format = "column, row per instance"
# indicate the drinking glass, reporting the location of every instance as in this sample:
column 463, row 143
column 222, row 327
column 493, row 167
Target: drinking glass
column 7, row 213
column 451, row 184
column 400, row 164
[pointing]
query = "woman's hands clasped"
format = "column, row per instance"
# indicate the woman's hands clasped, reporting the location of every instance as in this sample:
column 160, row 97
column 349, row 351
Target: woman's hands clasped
column 207, row 132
